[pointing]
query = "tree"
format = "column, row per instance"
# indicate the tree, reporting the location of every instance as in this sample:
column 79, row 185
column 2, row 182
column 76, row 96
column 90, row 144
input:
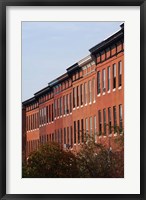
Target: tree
column 96, row 160
column 51, row 161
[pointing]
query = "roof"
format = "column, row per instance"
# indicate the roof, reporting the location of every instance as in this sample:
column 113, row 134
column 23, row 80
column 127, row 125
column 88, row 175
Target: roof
column 105, row 43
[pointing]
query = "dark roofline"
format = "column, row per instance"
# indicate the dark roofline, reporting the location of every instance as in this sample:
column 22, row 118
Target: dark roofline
column 42, row 91
column 72, row 68
column 29, row 101
column 58, row 80
column 105, row 43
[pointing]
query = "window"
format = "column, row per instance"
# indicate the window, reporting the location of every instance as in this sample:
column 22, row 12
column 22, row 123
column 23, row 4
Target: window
column 49, row 119
column 78, row 124
column 120, row 117
column 120, row 74
column 27, row 123
column 85, row 93
column 109, row 121
column 40, row 118
column 99, row 122
column 47, row 114
column 82, row 130
column 86, row 123
column 55, row 108
column 81, row 94
column 98, row 82
column 74, row 97
column 114, row 76
column 52, row 113
column 70, row 102
column 103, row 80
column 90, row 91
column 67, row 107
column 60, row 105
column 74, row 132
column 90, row 126
column 95, row 134
column 109, row 78
column 71, row 136
column 77, row 96
column 93, row 88
column 115, row 118
column 67, row 138
column 104, row 120
column 64, row 104
column 64, row 135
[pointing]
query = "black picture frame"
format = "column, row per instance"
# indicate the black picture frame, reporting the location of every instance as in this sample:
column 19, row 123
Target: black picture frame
column 3, row 127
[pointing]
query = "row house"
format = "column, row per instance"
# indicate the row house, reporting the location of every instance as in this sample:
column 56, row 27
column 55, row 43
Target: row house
column 86, row 100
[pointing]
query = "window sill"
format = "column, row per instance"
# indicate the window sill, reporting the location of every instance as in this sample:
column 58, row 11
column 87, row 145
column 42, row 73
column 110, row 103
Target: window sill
column 86, row 104
column 108, row 91
column 98, row 95
column 81, row 106
column 89, row 103
column 114, row 89
column 103, row 93
column 78, row 107
column 120, row 87
column 94, row 101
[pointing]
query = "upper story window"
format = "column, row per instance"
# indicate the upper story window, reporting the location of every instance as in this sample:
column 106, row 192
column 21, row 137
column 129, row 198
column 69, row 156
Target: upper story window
column 109, row 78
column 93, row 89
column 81, row 94
column 114, row 76
column 103, row 81
column 90, row 91
column 85, row 93
column 74, row 97
column 120, row 73
column 77, row 96
column 98, row 82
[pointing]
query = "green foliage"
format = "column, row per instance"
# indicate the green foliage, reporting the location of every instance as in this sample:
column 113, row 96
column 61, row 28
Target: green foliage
column 51, row 161
column 98, row 161
column 93, row 160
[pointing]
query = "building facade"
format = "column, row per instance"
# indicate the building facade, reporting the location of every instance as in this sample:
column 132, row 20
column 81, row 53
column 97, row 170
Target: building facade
column 87, row 99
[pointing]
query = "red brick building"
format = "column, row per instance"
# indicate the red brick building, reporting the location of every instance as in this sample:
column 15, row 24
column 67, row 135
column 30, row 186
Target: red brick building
column 85, row 99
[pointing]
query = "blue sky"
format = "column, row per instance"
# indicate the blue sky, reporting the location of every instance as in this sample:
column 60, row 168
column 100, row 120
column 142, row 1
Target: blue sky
column 48, row 48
